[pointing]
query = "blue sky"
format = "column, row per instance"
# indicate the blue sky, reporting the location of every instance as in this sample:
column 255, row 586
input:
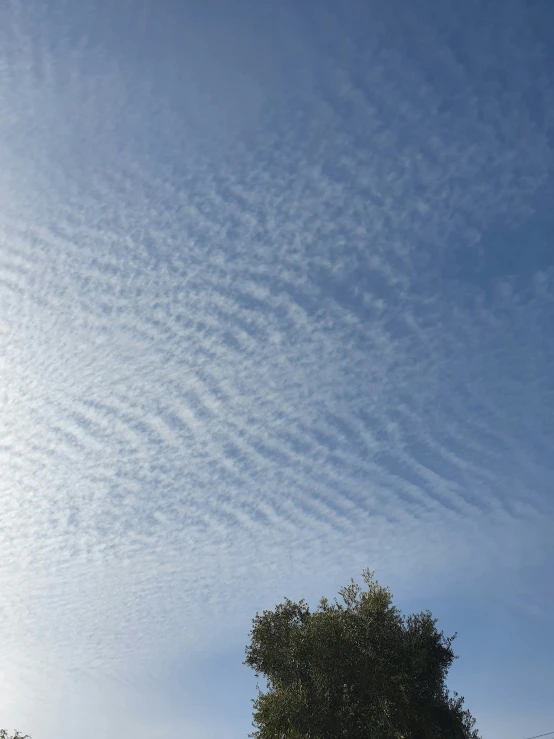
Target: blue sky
column 276, row 304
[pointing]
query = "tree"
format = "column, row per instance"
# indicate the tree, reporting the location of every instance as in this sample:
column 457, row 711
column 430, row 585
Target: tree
column 18, row 735
column 359, row 669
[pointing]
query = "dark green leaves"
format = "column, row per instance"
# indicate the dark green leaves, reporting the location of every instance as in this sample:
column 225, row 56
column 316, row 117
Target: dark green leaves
column 354, row 669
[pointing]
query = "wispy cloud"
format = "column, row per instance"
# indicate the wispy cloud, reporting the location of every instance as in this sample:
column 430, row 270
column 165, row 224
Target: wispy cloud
column 231, row 375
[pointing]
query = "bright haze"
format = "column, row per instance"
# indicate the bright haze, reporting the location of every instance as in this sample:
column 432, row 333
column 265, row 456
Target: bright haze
column 276, row 304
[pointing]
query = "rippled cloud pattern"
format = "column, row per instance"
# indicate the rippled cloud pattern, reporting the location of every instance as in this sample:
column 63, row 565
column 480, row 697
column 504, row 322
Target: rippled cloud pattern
column 276, row 304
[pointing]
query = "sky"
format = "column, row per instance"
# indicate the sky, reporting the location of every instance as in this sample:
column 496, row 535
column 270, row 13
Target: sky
column 276, row 305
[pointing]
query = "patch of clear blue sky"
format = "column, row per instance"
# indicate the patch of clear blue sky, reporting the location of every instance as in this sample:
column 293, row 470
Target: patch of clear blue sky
column 367, row 188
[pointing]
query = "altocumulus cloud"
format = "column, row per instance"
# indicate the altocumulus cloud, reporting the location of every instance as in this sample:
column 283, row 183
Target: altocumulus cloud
column 252, row 337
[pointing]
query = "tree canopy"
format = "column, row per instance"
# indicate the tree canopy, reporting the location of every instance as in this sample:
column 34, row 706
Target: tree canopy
column 355, row 669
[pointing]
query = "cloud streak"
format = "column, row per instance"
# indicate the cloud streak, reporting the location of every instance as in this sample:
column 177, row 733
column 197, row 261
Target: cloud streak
column 266, row 363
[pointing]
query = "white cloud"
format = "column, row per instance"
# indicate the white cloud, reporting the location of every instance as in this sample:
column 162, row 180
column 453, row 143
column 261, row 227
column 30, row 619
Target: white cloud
column 229, row 378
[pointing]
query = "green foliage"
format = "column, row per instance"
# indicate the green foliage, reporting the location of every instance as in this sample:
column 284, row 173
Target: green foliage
column 18, row 735
column 356, row 669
